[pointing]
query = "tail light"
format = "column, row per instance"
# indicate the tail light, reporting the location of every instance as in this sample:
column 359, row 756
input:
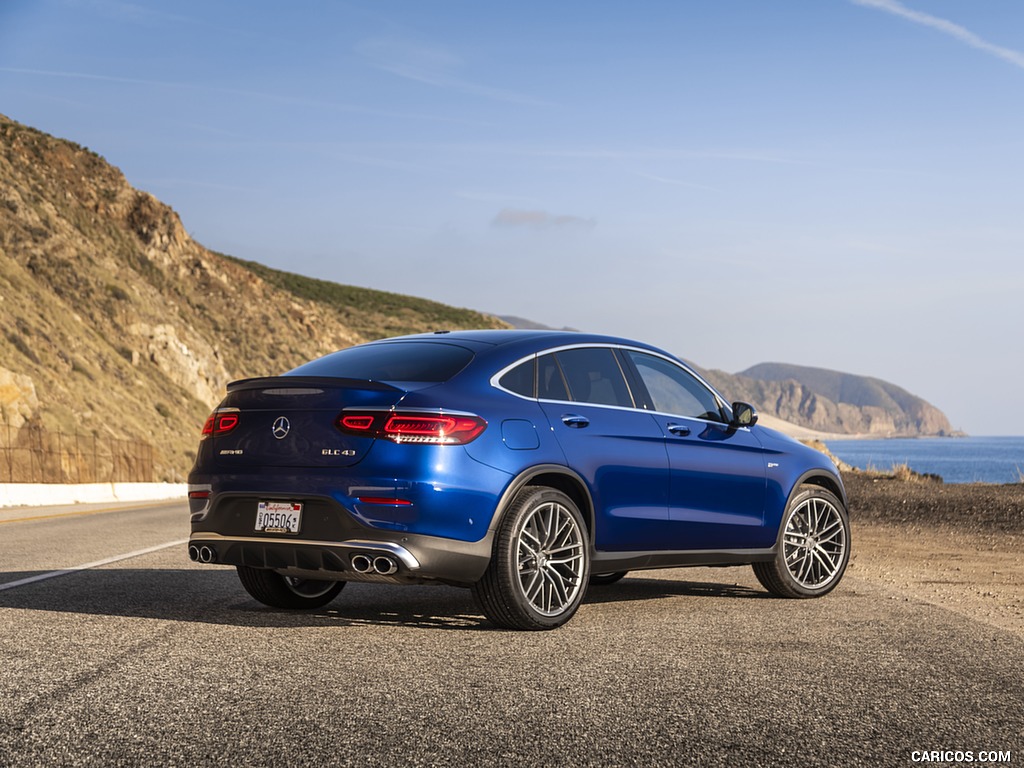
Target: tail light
column 220, row 423
column 409, row 427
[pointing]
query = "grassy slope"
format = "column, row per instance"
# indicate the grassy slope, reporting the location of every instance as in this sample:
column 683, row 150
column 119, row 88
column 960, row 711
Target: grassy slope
column 371, row 313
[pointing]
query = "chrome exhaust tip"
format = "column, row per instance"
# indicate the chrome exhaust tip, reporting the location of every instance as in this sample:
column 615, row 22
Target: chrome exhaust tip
column 385, row 566
column 362, row 564
column 193, row 553
column 207, row 554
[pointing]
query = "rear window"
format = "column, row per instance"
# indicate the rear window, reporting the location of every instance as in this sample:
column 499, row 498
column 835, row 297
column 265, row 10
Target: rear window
column 398, row 361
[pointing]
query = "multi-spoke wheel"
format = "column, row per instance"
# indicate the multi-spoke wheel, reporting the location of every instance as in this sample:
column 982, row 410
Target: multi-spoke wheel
column 813, row 547
column 279, row 591
column 540, row 565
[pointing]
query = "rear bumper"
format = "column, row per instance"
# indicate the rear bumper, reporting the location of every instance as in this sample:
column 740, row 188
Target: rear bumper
column 330, row 538
column 417, row 559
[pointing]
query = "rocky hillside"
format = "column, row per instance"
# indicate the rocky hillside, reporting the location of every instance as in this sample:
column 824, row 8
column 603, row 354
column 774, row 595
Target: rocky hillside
column 115, row 323
column 829, row 401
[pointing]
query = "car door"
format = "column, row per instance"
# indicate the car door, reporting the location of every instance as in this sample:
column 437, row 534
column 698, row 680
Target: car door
column 718, row 472
column 618, row 450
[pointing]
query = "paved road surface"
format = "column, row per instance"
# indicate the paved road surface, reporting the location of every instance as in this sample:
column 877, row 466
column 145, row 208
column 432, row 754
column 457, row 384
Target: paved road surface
column 153, row 660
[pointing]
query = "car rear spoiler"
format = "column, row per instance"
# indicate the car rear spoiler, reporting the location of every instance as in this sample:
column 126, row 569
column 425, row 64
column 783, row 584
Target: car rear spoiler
column 297, row 382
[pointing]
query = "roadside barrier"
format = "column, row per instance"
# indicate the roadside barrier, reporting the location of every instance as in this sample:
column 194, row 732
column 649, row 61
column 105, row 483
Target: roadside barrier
column 33, row 454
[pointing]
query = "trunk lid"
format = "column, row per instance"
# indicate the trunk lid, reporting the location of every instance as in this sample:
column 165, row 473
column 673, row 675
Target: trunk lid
column 289, row 421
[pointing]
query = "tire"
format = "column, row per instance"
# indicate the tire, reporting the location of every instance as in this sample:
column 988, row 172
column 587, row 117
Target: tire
column 813, row 546
column 603, row 579
column 540, row 564
column 277, row 591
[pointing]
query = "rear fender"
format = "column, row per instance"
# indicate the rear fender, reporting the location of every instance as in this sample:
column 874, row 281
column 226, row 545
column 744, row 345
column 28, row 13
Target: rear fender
column 555, row 476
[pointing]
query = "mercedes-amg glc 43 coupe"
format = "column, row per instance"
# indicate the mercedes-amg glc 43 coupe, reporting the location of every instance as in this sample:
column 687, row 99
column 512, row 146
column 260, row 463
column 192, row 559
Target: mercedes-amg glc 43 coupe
column 524, row 465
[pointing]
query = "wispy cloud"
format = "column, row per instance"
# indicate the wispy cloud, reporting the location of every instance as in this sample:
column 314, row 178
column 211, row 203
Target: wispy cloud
column 945, row 26
column 517, row 218
column 432, row 66
column 619, row 155
column 486, row 196
column 669, row 180
column 137, row 14
column 83, row 76
column 246, row 93
column 164, row 183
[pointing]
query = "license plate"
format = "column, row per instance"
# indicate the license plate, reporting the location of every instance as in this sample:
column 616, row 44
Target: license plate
column 278, row 516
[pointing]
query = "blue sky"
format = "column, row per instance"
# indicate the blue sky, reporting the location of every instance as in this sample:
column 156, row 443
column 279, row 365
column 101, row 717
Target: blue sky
column 833, row 183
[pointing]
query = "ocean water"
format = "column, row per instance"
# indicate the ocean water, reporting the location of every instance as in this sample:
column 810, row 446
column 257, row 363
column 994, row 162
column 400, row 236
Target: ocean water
column 955, row 459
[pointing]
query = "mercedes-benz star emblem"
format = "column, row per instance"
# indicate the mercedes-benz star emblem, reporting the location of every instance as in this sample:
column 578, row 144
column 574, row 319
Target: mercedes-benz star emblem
column 281, row 427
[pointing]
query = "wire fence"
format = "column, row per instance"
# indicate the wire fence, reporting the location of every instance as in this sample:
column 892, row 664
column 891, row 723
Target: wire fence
column 32, row 454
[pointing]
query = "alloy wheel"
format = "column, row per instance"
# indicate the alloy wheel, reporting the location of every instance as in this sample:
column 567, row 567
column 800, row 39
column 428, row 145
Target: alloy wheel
column 815, row 543
column 550, row 558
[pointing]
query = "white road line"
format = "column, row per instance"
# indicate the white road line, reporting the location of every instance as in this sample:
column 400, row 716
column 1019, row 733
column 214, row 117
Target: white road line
column 87, row 566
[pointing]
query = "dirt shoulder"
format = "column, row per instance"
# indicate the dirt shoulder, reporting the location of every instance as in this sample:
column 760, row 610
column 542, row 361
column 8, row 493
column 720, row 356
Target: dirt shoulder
column 954, row 546
column 973, row 507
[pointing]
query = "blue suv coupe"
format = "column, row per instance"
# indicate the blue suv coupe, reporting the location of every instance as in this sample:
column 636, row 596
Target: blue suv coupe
column 525, row 465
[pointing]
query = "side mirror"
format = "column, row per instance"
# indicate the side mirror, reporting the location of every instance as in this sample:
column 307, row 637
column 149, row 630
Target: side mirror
column 743, row 415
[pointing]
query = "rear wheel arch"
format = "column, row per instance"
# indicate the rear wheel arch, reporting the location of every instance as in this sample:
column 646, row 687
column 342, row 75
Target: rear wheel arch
column 553, row 476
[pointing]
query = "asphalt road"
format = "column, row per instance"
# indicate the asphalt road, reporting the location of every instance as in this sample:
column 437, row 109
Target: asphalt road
column 154, row 660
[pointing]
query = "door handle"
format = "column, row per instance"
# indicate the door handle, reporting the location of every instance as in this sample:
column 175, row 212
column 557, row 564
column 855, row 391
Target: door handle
column 680, row 430
column 575, row 421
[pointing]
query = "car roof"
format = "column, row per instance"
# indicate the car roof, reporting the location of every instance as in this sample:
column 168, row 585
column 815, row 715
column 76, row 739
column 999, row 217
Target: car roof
column 543, row 338
column 505, row 345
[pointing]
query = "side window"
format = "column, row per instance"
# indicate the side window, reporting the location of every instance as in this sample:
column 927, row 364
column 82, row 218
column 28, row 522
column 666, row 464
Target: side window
column 594, row 376
column 520, row 379
column 673, row 390
column 550, row 384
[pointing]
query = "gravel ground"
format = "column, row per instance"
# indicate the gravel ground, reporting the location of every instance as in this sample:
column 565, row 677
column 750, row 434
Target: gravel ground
column 955, row 546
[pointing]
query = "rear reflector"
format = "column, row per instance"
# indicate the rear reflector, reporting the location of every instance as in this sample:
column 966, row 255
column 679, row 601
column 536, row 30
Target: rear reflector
column 384, row 500
column 429, row 428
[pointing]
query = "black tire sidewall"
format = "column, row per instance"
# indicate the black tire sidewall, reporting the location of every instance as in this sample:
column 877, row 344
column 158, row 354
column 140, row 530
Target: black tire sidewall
column 270, row 588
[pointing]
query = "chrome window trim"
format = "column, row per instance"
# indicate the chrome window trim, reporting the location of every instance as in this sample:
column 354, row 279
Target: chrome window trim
column 627, row 348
